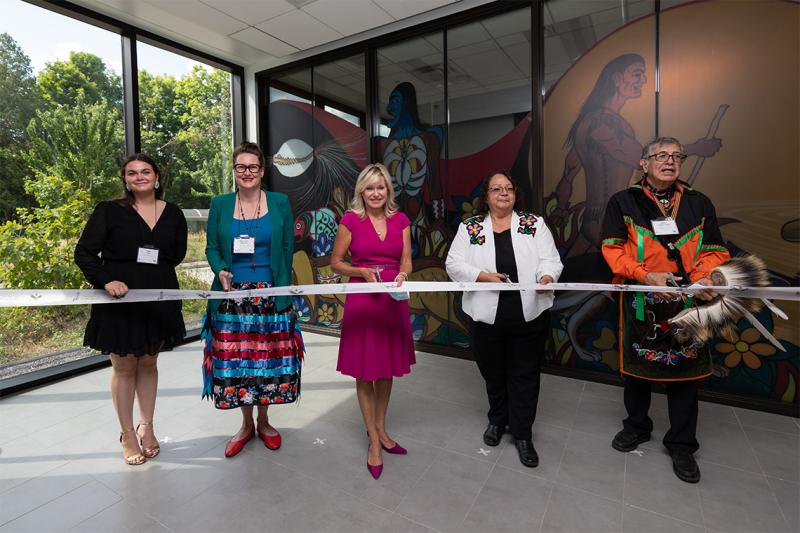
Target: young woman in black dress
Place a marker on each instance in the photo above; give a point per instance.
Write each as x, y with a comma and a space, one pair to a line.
134, 242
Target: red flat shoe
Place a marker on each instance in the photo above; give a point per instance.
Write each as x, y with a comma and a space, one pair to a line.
235, 446
272, 442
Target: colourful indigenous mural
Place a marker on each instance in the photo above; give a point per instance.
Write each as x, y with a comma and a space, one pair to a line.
706, 100
736, 111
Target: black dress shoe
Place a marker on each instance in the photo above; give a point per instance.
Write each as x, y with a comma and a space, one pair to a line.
684, 466
527, 453
493, 434
627, 441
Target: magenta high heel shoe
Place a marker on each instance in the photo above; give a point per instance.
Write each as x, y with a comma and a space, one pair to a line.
375, 470
396, 449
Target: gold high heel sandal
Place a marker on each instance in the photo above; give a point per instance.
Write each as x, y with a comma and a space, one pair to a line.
148, 451
135, 459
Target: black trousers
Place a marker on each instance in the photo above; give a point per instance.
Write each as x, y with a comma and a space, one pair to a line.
682, 405
509, 357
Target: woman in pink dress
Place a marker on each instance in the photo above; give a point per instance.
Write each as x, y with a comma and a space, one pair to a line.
376, 344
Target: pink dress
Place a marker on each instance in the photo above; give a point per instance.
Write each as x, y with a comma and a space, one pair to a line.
376, 339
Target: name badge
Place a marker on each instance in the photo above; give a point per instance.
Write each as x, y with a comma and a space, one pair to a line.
244, 244
147, 255
664, 226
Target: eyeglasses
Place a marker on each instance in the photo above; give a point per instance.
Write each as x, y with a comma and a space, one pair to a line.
663, 157
498, 190
241, 169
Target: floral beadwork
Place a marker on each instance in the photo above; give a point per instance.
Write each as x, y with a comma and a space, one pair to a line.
474, 229
668, 358
527, 224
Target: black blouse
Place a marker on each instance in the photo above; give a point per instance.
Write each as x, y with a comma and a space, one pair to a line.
109, 246
509, 307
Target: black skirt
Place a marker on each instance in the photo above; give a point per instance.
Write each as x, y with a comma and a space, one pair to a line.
142, 328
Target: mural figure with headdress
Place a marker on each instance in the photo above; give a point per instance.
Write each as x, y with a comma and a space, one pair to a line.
603, 144
411, 153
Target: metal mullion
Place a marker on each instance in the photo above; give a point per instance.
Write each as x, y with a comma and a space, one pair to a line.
130, 90
238, 111
537, 107
371, 92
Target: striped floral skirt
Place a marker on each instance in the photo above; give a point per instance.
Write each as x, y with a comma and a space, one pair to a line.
252, 352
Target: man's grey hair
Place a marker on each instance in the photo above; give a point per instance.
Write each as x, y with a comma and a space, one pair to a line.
658, 142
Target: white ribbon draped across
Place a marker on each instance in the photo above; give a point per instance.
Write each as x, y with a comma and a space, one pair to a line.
50, 297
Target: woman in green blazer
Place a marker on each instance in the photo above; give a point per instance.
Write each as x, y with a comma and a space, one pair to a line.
252, 346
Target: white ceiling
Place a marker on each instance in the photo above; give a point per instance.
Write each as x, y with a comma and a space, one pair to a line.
257, 32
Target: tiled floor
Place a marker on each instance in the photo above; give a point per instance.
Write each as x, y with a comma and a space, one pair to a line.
61, 466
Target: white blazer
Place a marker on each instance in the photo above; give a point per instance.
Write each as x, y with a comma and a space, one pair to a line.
472, 252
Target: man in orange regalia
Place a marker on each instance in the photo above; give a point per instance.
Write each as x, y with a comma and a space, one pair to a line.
661, 232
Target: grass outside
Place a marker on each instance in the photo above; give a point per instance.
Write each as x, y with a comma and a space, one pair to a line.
196, 247
28, 332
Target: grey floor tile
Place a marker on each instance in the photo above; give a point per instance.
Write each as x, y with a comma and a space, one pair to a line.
74, 427
433, 500
11, 431
509, 501
574, 511
590, 464
733, 500
549, 442
66, 511
39, 491
661, 424
463, 386
650, 484
558, 407
121, 518
777, 453
59, 456
599, 417
635, 520
603, 390
725, 444
23, 459
788, 496
287, 504
336, 453
771, 421
429, 421
251, 471
552, 383
719, 412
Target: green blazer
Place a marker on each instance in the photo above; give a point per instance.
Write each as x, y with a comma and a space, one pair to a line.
219, 242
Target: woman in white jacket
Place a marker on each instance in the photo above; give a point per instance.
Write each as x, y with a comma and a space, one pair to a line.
508, 328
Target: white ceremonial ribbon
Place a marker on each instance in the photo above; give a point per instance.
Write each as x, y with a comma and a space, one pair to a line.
51, 297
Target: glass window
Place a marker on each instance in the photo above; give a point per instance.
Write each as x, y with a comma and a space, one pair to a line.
599, 110
186, 126
61, 137
489, 92
412, 108
318, 144
729, 93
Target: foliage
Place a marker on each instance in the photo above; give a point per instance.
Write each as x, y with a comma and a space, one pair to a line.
37, 248
196, 247
186, 126
83, 78
193, 310
27, 332
19, 98
81, 144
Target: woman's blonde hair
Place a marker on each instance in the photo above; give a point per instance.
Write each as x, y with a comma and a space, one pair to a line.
365, 178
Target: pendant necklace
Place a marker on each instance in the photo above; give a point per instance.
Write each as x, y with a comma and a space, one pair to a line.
248, 227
